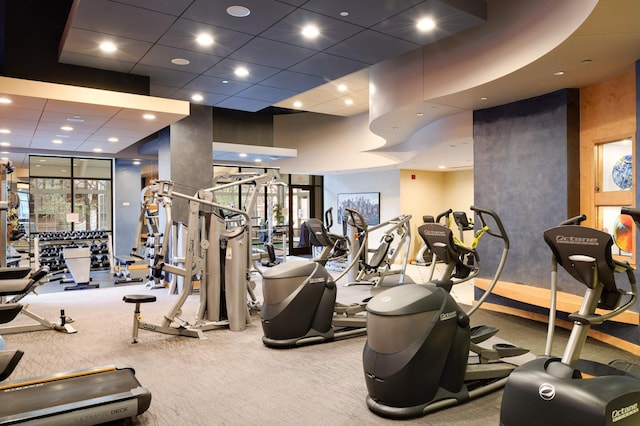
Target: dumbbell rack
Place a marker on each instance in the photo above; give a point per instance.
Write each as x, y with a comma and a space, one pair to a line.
49, 246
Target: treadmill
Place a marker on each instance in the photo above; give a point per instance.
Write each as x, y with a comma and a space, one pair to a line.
81, 397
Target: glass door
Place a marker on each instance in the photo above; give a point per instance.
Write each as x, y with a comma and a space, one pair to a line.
301, 208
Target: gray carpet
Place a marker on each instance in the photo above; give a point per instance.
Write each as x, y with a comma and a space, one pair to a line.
231, 378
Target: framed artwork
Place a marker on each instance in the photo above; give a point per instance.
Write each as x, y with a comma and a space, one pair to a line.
367, 203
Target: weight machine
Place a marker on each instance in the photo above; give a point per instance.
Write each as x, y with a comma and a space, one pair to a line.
218, 255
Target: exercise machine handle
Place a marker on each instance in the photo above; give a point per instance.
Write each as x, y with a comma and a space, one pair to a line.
502, 234
576, 220
443, 214
328, 218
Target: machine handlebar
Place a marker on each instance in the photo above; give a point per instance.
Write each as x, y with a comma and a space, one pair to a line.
576, 220
502, 234
445, 213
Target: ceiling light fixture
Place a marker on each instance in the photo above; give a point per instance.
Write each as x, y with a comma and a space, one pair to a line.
344, 13
5, 101
204, 39
242, 155
66, 128
149, 116
180, 61
558, 73
310, 31
108, 47
5, 143
426, 24
297, 104
241, 72
342, 87
484, 98
442, 167
136, 162
197, 97
75, 119
348, 101
258, 160
113, 139
419, 114
97, 149
238, 11
56, 141
5, 131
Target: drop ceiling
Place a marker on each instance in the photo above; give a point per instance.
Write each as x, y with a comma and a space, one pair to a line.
153, 35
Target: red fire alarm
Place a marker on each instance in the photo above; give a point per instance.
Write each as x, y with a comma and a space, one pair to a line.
413, 177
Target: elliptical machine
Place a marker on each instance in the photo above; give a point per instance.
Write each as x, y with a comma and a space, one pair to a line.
570, 390
417, 356
300, 305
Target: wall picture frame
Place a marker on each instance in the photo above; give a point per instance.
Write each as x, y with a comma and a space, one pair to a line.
367, 203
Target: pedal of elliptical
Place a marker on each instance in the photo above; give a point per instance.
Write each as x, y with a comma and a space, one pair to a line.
506, 350
480, 333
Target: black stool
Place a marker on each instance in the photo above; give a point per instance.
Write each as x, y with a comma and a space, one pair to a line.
137, 299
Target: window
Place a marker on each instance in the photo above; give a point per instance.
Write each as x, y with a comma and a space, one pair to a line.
63, 185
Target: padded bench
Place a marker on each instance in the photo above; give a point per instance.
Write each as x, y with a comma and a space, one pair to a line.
122, 269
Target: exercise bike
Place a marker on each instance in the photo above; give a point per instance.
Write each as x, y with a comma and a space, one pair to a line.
570, 390
300, 305
417, 357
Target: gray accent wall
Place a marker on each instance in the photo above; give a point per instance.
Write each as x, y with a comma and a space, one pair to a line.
126, 200
526, 169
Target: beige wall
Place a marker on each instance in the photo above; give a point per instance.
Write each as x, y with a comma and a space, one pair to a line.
430, 193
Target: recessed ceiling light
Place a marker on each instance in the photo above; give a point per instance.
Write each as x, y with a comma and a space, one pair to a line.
149, 116
108, 47
238, 11
310, 31
180, 61
241, 72
348, 101
225, 81
242, 155
342, 87
557, 73
344, 13
136, 163
97, 149
426, 24
258, 160
5, 100
442, 167
113, 139
297, 104
419, 114
484, 98
66, 128
63, 136
76, 119
57, 141
5, 143
5, 131
204, 39
197, 97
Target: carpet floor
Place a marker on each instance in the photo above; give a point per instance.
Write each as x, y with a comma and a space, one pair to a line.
231, 378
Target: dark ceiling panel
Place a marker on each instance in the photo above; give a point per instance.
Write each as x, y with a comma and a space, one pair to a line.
264, 13
271, 53
183, 32
294, 81
328, 66
243, 104
288, 30
217, 85
161, 56
371, 47
362, 13
268, 94
224, 69
111, 17
164, 76
171, 7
